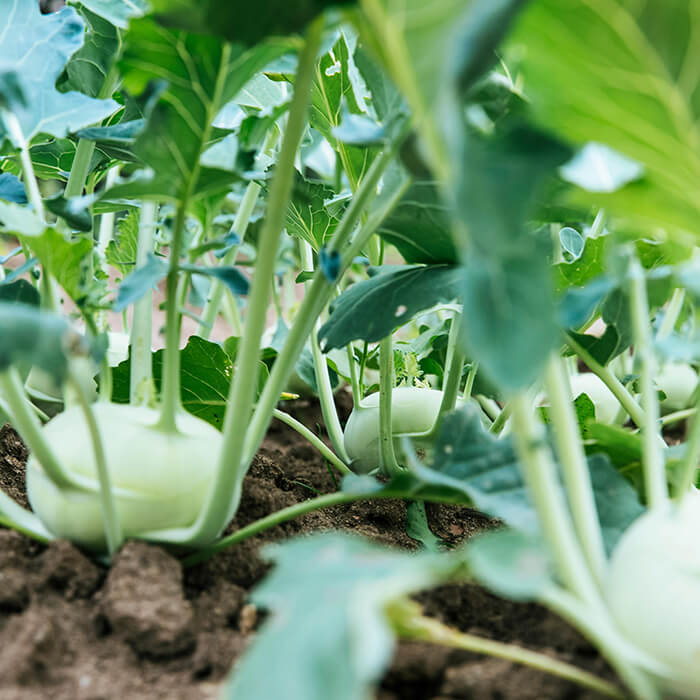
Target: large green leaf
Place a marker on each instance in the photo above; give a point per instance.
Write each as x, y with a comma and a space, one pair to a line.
420, 226
202, 75
327, 630
118, 12
622, 73
241, 20
87, 68
34, 48
307, 214
508, 301
372, 309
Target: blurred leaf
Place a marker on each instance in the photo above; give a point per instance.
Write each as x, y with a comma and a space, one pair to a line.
419, 227
326, 596
239, 20
117, 139
19, 220
12, 189
74, 211
508, 301
372, 309
236, 282
118, 12
418, 528
607, 99
19, 291
140, 281
38, 46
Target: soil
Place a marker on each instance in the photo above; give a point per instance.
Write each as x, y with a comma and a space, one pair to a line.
148, 630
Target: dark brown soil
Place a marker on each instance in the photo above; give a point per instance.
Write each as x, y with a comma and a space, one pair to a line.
147, 630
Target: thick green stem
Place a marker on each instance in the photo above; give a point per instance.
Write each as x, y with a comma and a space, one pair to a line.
455, 365
29, 428
471, 376
677, 416
354, 379
497, 426
414, 626
113, 531
323, 380
626, 399
314, 440
540, 476
574, 466
171, 356
689, 465
218, 289
224, 493
14, 129
141, 389
387, 456
79, 170
673, 311
319, 294
652, 456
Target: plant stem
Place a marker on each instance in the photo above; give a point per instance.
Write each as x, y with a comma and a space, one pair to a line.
498, 425
387, 456
491, 408
611, 381
224, 494
29, 428
689, 465
354, 380
424, 629
141, 389
653, 459
319, 293
673, 311
540, 476
323, 380
455, 365
313, 439
13, 516
677, 416
106, 230
171, 356
574, 466
280, 516
14, 129
218, 289
471, 376
113, 531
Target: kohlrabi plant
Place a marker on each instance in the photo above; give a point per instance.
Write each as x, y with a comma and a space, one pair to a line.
477, 217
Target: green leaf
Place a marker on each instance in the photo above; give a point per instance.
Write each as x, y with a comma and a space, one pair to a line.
140, 281
508, 301
74, 211
307, 215
36, 47
235, 281
121, 251
19, 291
419, 227
418, 528
117, 140
589, 265
239, 20
67, 261
622, 74
87, 69
202, 75
19, 220
372, 309
327, 595
118, 12
12, 189
511, 564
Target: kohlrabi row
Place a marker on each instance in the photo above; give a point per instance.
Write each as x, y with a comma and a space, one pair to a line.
476, 218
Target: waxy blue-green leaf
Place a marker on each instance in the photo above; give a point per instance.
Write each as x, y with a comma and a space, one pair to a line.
19, 220
36, 48
118, 12
373, 309
202, 75
20, 292
327, 597
234, 280
74, 211
12, 189
140, 281
622, 74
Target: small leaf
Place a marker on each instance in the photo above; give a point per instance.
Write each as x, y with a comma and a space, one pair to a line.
234, 279
572, 242
329, 262
121, 251
74, 211
140, 281
12, 189
372, 309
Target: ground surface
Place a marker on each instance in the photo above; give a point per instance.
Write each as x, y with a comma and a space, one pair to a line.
147, 630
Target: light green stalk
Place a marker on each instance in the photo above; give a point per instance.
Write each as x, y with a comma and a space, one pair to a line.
653, 459
574, 466
387, 456
141, 388
673, 311
455, 365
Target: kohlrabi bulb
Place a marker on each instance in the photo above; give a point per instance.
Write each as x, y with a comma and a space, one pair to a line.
413, 410
653, 590
606, 405
160, 479
678, 381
